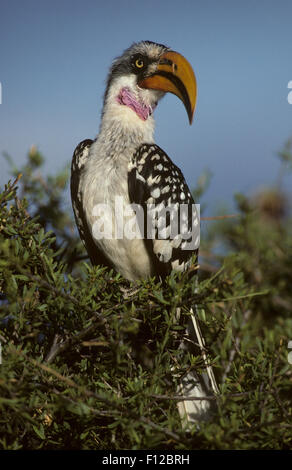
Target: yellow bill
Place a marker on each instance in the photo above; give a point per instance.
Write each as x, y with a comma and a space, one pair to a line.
174, 74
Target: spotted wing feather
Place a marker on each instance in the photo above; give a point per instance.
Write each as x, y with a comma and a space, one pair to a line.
154, 180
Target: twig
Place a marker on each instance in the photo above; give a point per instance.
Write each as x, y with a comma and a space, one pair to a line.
280, 404
104, 413
219, 217
54, 348
235, 349
195, 398
157, 427
239, 297
59, 347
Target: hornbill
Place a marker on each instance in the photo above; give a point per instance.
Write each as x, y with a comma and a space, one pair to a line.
124, 164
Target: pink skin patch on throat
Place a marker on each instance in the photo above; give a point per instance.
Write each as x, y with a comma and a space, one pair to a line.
126, 98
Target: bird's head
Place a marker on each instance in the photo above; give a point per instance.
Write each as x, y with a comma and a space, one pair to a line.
142, 75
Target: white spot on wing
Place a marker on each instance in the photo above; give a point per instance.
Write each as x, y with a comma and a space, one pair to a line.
155, 193
140, 177
165, 189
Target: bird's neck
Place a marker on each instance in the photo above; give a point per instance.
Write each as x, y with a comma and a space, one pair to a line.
122, 130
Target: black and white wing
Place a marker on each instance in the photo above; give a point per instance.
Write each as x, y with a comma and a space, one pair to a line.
79, 160
171, 221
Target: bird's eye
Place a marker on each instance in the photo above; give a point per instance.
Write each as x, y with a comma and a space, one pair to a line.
139, 63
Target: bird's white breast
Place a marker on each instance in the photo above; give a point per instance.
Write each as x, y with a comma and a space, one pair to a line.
105, 182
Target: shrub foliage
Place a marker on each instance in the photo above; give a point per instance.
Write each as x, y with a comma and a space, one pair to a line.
90, 362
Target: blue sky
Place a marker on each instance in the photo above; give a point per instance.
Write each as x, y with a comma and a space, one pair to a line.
54, 58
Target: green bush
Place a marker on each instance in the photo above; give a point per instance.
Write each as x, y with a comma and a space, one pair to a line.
89, 364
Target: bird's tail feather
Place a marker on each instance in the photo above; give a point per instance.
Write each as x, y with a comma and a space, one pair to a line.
194, 385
